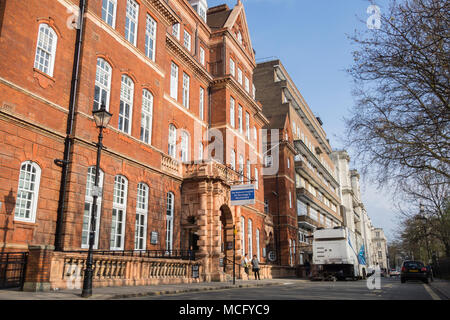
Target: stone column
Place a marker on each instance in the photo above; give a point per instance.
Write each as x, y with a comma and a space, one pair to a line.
37, 277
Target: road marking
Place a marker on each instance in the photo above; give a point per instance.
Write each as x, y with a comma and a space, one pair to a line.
430, 291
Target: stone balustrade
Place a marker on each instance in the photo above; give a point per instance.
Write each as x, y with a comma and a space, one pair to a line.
209, 169
170, 164
67, 271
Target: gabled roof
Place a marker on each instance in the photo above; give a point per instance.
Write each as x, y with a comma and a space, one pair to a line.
218, 16
222, 17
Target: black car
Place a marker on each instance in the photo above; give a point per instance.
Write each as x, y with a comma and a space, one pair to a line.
414, 270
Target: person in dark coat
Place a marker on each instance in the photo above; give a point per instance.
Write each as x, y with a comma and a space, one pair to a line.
255, 264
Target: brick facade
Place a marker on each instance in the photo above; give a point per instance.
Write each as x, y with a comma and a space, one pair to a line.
34, 108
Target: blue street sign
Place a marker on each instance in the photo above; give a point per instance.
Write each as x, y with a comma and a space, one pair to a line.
242, 195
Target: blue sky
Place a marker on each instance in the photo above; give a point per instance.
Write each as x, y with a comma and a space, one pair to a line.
310, 38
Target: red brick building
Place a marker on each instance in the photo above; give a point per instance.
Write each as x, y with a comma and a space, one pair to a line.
174, 74
306, 193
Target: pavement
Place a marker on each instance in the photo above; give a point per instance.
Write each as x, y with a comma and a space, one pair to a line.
442, 286
288, 288
108, 293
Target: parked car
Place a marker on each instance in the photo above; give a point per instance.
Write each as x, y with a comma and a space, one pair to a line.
394, 273
414, 270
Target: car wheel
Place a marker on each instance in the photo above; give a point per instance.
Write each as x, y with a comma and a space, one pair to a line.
402, 280
426, 281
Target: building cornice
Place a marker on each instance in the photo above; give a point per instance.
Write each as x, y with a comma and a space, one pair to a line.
165, 10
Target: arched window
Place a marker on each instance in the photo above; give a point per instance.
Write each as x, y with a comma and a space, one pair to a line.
184, 146
141, 217
147, 117
233, 159
88, 203
102, 84
249, 172
119, 213
46, 49
169, 221
126, 104
250, 238
241, 168
172, 141
27, 192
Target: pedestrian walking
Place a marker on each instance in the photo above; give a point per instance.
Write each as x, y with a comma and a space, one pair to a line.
246, 264
255, 264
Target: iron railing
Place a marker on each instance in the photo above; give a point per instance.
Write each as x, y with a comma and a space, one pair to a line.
12, 269
158, 254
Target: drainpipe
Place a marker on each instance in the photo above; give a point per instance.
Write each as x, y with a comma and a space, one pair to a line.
68, 142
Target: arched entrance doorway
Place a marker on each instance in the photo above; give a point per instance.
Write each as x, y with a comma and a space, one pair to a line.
226, 229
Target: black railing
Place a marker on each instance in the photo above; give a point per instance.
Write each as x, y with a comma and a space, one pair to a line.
12, 269
159, 254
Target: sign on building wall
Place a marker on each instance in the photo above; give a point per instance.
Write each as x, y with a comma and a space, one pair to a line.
195, 271
154, 237
242, 195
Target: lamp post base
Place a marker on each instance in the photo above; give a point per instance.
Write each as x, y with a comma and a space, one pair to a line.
87, 284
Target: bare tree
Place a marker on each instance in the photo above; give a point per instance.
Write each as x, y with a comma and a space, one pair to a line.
427, 215
400, 125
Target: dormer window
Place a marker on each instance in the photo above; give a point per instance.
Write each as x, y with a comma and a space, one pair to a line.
200, 6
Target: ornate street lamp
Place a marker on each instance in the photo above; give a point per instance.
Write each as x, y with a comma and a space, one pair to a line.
101, 118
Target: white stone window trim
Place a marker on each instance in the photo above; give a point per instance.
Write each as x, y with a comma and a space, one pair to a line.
201, 99
187, 40
232, 112
24, 173
103, 74
172, 141
184, 147
120, 193
90, 182
174, 81
110, 3
147, 112
186, 90
42, 46
150, 34
170, 208
132, 8
127, 98
141, 210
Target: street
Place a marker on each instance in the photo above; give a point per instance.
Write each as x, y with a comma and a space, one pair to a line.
391, 289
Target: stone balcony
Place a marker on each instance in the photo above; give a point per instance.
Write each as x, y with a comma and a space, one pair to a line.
170, 164
209, 170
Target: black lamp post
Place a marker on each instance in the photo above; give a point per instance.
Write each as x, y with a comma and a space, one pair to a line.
102, 118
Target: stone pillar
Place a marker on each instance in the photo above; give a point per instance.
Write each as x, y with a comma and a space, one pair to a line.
37, 277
